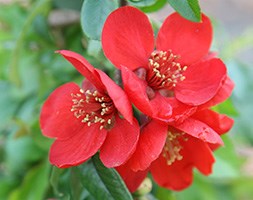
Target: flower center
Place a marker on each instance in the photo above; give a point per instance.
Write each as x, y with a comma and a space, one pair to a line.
93, 107
172, 148
164, 70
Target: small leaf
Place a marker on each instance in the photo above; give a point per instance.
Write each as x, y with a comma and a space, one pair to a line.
226, 107
66, 4
93, 15
142, 3
164, 194
56, 173
188, 9
155, 7
102, 182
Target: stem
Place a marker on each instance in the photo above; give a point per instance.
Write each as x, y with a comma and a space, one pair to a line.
123, 3
14, 72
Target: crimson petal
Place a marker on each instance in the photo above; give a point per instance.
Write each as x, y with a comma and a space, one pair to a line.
179, 174
132, 179
127, 38
199, 130
83, 66
176, 176
190, 40
56, 119
87, 85
77, 149
202, 82
120, 143
160, 108
201, 157
150, 145
218, 122
223, 93
118, 97
136, 91
180, 111
135, 88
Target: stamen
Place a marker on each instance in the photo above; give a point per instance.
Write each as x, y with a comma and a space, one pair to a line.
93, 107
172, 148
164, 70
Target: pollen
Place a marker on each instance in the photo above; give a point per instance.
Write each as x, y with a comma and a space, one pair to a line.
171, 151
165, 70
93, 107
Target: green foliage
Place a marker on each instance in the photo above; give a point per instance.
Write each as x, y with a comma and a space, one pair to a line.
187, 8
102, 182
155, 7
33, 185
30, 71
93, 15
142, 3
66, 4
40, 7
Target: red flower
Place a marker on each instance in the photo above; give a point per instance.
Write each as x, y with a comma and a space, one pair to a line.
173, 151
86, 120
178, 67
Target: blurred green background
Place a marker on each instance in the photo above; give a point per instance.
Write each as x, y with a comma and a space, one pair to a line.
30, 32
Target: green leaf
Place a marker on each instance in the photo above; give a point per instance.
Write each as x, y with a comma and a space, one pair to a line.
188, 9
66, 4
34, 184
155, 7
102, 182
76, 186
164, 194
226, 107
142, 3
93, 15
55, 176
39, 8
8, 104
7, 184
227, 161
21, 152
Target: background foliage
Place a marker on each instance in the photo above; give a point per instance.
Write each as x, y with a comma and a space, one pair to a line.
30, 32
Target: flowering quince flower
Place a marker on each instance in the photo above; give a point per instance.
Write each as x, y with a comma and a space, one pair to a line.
175, 66
97, 116
173, 151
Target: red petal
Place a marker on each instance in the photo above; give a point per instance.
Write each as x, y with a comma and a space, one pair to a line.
83, 66
87, 85
160, 108
223, 93
218, 122
78, 148
210, 55
180, 111
56, 119
191, 41
202, 82
178, 175
136, 91
120, 143
202, 156
119, 97
199, 130
127, 38
132, 179
150, 145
